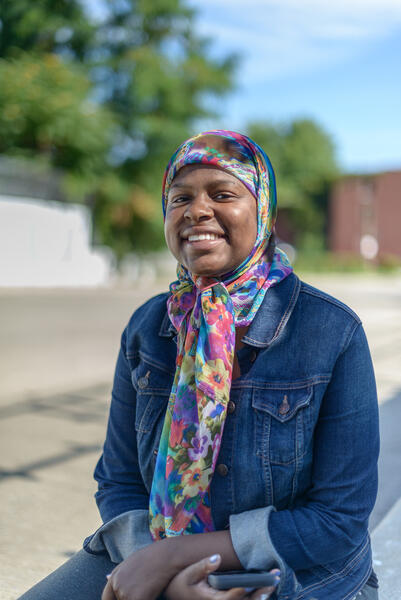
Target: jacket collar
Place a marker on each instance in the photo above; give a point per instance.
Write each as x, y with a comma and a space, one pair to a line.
274, 312
269, 321
167, 329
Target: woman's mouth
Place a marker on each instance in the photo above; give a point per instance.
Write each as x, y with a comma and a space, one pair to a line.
203, 236
203, 242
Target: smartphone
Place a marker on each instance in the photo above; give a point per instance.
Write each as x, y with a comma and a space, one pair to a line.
225, 580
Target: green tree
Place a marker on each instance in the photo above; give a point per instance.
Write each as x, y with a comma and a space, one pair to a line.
45, 114
45, 26
148, 69
154, 73
303, 157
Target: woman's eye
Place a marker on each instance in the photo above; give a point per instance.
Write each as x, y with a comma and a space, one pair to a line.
179, 199
222, 196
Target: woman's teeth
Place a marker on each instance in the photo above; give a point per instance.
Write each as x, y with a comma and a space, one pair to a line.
203, 236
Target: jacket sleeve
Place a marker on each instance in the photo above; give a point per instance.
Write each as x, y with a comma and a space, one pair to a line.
120, 484
333, 520
122, 497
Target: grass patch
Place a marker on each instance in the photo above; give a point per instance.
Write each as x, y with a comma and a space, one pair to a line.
328, 262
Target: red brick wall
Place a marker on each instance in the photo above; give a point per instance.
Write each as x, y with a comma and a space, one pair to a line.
366, 205
344, 224
388, 202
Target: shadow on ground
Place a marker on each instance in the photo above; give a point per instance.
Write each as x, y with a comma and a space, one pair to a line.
84, 406
28, 470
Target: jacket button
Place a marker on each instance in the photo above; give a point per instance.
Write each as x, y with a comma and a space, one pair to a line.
230, 407
143, 382
222, 469
253, 356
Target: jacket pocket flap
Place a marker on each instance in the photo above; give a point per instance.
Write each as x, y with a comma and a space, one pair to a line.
149, 380
282, 404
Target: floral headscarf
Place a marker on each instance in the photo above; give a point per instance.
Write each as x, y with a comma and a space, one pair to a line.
205, 312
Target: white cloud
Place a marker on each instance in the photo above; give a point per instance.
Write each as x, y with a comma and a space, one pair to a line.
284, 37
362, 11
332, 60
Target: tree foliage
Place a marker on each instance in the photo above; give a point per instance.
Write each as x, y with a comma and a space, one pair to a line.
106, 98
45, 26
45, 111
304, 161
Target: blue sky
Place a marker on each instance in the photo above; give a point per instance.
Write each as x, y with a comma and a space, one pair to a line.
336, 62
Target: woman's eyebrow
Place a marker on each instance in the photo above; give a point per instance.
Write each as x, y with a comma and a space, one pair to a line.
215, 182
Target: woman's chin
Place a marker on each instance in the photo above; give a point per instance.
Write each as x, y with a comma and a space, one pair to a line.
205, 273
205, 267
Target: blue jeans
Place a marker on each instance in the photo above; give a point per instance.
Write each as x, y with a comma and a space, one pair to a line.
368, 593
83, 577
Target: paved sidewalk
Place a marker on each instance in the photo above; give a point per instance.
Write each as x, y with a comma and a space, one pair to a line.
377, 301
59, 350
386, 542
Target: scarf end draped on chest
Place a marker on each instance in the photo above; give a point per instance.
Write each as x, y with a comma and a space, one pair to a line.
205, 313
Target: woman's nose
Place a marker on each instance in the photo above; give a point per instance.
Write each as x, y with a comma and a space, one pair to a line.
199, 209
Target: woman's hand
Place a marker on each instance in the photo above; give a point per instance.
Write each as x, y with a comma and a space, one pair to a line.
146, 573
141, 576
192, 583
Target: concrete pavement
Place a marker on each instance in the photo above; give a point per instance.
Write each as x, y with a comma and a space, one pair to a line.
58, 352
386, 543
377, 301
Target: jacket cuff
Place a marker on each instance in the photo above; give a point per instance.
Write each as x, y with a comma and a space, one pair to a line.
251, 539
253, 546
121, 536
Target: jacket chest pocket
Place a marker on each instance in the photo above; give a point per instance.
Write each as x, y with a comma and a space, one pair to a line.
152, 385
282, 420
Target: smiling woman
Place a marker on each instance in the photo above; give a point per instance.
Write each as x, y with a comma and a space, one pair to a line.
234, 399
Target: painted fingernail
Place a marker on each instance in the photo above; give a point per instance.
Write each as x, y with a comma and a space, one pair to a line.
213, 559
264, 597
108, 576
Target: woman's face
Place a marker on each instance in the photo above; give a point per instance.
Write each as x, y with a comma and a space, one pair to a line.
211, 220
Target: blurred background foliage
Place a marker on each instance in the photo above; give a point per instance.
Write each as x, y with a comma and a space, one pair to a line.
106, 98
303, 156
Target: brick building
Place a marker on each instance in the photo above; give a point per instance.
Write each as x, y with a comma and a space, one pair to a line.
365, 215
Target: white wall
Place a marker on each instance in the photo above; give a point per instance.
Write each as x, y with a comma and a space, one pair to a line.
48, 244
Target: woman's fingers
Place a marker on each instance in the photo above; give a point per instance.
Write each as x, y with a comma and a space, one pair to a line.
195, 577
205, 592
201, 569
108, 593
232, 594
192, 583
263, 593
266, 592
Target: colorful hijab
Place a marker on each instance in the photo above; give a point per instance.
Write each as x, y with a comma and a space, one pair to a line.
205, 312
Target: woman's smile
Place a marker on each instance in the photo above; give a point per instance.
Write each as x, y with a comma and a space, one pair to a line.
203, 242
201, 239
211, 220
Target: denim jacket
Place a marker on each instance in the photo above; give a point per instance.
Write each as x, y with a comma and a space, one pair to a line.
296, 478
